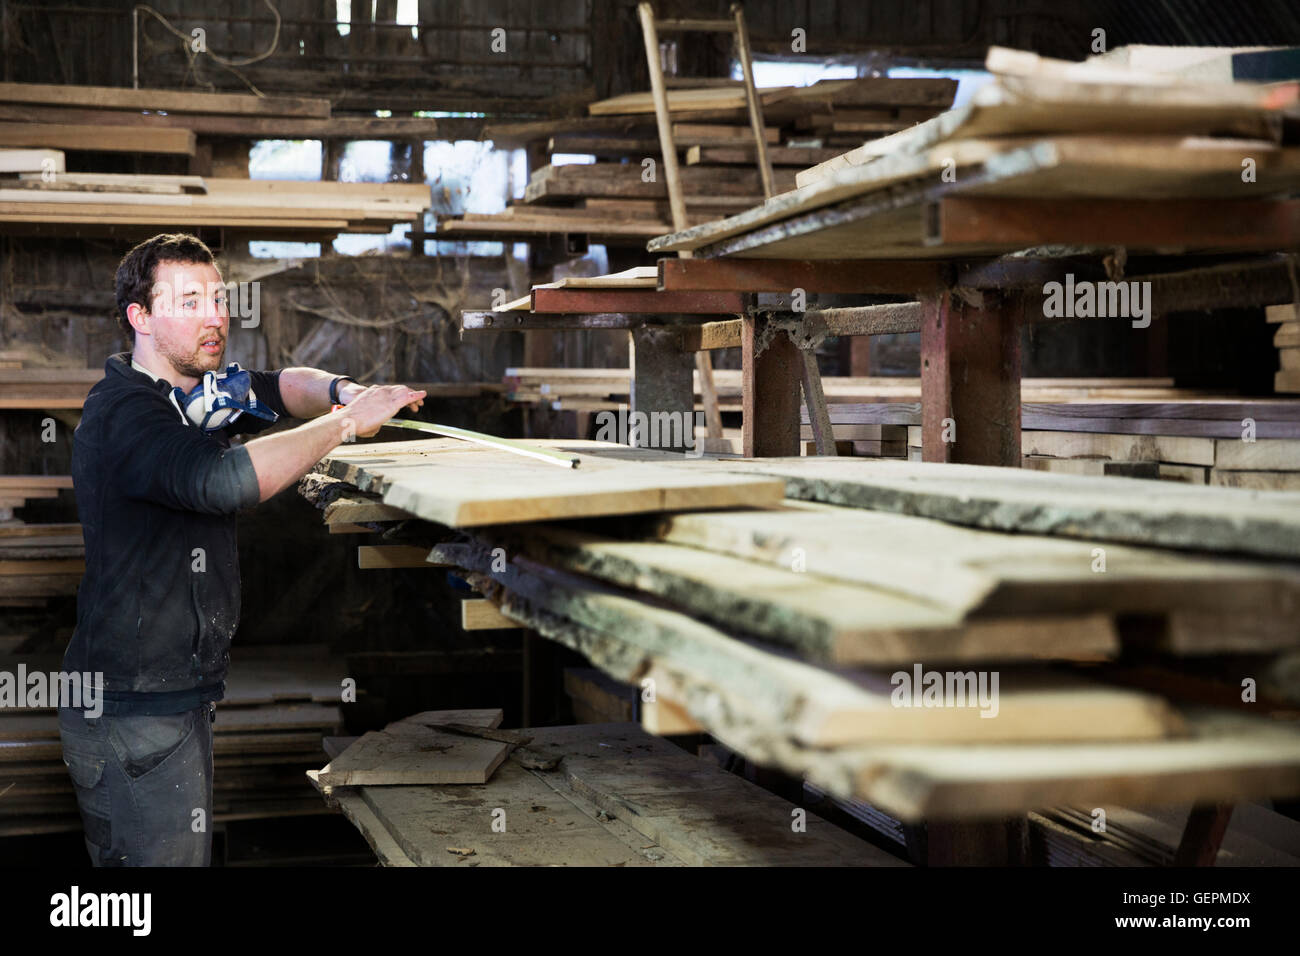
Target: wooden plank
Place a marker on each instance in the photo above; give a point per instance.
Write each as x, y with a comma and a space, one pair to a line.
693, 664
1059, 167
1257, 480
44, 161
1164, 514
110, 139
820, 617
371, 556
477, 614
985, 575
1267, 455
1019, 105
354, 509
636, 301
410, 753
1237, 224
782, 275
1225, 759
622, 181
445, 481
664, 718
170, 101
1063, 444
742, 154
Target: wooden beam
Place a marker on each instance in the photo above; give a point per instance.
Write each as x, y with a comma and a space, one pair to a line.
169, 101
634, 301
970, 381
662, 384
711, 335
108, 139
479, 614
1206, 826
815, 400
372, 557
771, 382
1263, 224
782, 275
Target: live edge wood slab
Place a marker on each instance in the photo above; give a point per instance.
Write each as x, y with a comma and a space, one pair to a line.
454, 484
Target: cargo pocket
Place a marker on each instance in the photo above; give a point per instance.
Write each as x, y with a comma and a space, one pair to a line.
144, 743
87, 771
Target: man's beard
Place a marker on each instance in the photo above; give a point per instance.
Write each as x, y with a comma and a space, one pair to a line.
191, 364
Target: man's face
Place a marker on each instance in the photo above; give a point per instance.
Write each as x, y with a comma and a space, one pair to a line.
191, 316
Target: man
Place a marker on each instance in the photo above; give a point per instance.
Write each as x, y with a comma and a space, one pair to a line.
158, 485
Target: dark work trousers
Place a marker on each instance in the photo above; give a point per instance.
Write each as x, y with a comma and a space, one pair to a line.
140, 782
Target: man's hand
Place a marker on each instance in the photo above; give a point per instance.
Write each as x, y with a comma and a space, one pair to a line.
377, 404
350, 391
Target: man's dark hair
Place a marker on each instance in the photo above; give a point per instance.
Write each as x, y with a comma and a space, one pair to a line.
136, 272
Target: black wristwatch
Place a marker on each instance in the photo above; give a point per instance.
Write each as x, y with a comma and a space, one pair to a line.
334, 387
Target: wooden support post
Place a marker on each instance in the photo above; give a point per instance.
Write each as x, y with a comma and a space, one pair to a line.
975, 843
970, 380
770, 382
1206, 826
818, 414
708, 394
859, 355
662, 382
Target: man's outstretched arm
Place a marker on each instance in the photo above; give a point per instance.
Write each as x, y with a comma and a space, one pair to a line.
281, 459
306, 392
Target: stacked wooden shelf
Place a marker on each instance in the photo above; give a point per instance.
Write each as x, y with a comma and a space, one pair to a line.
113, 118
882, 567
38, 561
279, 705
1047, 153
622, 197
1287, 339
102, 199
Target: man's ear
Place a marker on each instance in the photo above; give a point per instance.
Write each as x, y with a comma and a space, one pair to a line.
138, 316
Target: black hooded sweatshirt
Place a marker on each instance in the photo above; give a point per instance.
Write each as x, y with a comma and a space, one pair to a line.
157, 497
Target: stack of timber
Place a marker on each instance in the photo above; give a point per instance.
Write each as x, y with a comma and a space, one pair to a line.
1048, 152
52, 200
113, 119
801, 633
25, 383
1287, 339
1216, 440
622, 198
38, 561
37, 387
1141, 427
279, 704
